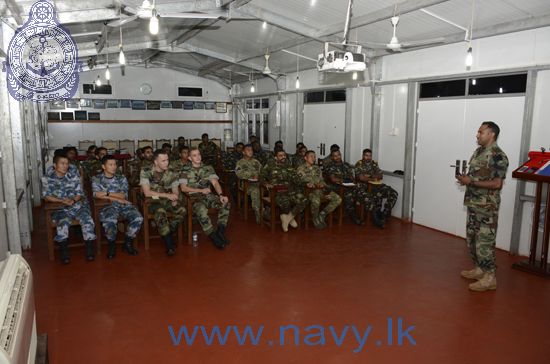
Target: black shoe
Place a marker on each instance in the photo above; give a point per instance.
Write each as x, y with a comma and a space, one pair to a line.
356, 220
170, 246
378, 218
217, 240
221, 233
64, 252
112, 250
90, 253
128, 247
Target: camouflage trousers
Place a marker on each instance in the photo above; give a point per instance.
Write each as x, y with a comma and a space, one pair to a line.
200, 210
109, 220
79, 211
160, 209
381, 197
315, 198
293, 202
481, 230
254, 193
350, 197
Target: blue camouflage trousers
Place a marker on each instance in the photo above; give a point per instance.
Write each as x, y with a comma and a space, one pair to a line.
481, 231
109, 219
79, 211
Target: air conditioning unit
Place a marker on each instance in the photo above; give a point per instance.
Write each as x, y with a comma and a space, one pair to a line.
339, 61
17, 315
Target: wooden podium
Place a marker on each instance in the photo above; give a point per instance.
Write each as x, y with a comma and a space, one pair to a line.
536, 170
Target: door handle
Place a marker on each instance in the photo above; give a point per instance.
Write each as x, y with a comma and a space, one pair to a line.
456, 166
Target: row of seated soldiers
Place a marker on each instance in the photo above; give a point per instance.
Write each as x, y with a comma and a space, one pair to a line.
63, 184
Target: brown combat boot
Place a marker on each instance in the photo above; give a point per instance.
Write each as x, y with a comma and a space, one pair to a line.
475, 273
485, 283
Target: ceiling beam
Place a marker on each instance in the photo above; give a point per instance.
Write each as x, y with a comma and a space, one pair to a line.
128, 47
216, 65
492, 30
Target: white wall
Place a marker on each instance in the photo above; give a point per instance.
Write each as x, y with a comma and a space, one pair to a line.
360, 122
393, 124
164, 83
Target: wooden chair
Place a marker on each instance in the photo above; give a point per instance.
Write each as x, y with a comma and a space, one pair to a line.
242, 195
85, 144
98, 205
307, 214
190, 199
129, 145
267, 197
50, 208
341, 191
147, 217
217, 141
111, 145
145, 143
194, 143
160, 142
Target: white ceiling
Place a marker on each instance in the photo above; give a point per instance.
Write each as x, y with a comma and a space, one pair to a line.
229, 49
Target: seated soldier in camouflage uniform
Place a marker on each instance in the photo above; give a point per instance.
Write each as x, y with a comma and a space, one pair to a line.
134, 164
182, 162
277, 173
167, 148
162, 186
310, 176
325, 162
298, 159
72, 170
381, 198
175, 155
209, 151
259, 153
146, 161
72, 153
114, 187
196, 180
63, 187
338, 172
249, 168
229, 162
91, 156
93, 166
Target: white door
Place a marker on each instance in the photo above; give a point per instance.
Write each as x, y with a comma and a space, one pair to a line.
437, 196
324, 125
447, 131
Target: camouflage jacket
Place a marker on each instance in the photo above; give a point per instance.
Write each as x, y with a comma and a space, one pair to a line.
91, 167
209, 150
115, 184
50, 172
159, 181
343, 171
175, 153
310, 174
198, 177
297, 160
279, 174
486, 164
229, 160
369, 168
178, 166
262, 156
135, 169
247, 169
68, 186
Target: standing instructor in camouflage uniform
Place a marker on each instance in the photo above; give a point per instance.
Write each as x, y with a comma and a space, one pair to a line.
483, 183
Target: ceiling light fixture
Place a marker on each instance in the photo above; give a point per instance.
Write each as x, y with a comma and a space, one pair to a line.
121, 56
107, 72
469, 56
154, 23
297, 85
264, 25
98, 81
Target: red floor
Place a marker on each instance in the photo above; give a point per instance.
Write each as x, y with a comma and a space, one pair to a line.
119, 311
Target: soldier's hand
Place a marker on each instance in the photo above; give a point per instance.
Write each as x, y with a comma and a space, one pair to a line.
174, 203
310, 185
269, 185
463, 179
173, 197
68, 201
206, 191
223, 199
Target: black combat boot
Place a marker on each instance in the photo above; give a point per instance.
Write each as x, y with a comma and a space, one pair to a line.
221, 233
378, 218
217, 240
64, 252
170, 245
356, 220
128, 246
90, 253
112, 250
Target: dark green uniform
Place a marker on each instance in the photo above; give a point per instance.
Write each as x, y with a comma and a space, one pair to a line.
312, 174
163, 182
200, 177
343, 172
209, 153
292, 200
247, 169
487, 163
380, 197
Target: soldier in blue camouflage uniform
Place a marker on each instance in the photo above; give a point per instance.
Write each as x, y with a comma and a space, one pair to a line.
310, 176
248, 168
209, 151
483, 182
336, 173
196, 180
63, 187
380, 199
114, 187
162, 186
278, 173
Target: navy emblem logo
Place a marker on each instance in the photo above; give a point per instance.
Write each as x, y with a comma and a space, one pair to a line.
42, 60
